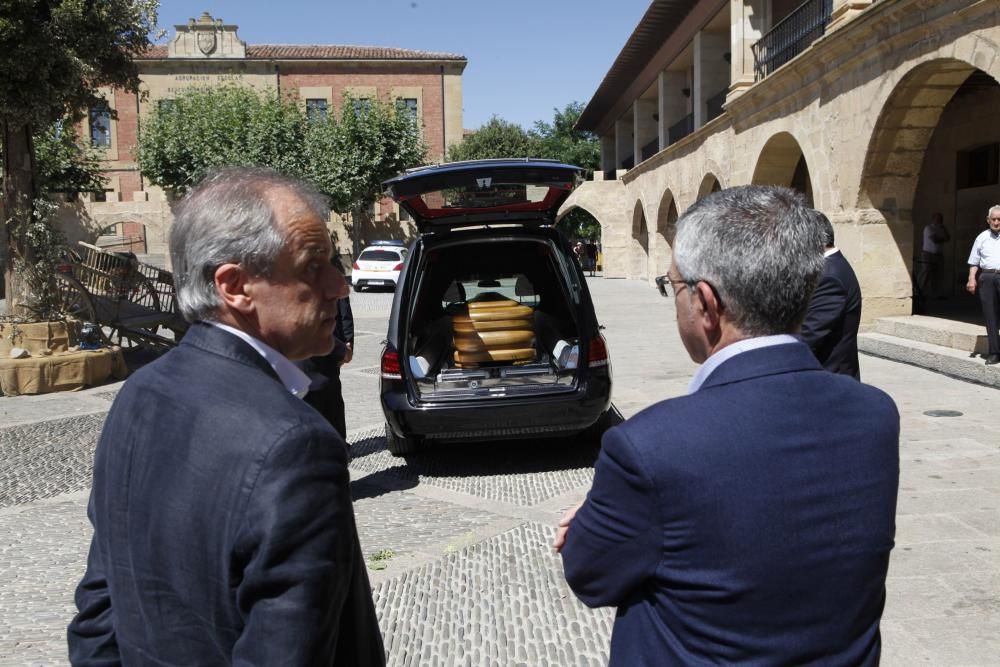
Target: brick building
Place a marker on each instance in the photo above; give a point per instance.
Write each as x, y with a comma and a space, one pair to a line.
209, 52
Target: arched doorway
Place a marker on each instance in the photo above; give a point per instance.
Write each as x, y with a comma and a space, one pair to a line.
709, 184
639, 247
579, 224
782, 162
666, 228
933, 151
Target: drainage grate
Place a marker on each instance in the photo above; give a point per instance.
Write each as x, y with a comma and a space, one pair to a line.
942, 413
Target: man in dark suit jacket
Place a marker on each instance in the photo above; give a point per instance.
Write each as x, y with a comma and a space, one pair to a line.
750, 521
224, 531
830, 328
325, 390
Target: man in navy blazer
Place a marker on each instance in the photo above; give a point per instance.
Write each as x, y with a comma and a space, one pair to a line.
224, 531
830, 328
750, 521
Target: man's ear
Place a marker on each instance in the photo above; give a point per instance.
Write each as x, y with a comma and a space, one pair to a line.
231, 283
711, 308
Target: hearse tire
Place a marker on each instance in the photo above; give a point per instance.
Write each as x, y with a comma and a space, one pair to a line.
400, 446
596, 430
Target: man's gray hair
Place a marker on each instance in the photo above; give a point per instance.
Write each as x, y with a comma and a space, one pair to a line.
228, 218
995, 207
760, 247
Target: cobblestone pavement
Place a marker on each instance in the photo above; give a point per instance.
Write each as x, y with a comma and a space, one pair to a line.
457, 536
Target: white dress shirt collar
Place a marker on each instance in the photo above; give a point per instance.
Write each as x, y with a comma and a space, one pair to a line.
730, 351
292, 377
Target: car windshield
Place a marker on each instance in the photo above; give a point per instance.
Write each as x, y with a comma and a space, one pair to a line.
379, 256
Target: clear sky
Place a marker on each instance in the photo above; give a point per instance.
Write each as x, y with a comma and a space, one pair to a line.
526, 57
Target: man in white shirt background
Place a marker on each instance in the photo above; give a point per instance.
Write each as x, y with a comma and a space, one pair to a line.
984, 277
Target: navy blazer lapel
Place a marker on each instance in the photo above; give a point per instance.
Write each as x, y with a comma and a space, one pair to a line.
771, 360
218, 341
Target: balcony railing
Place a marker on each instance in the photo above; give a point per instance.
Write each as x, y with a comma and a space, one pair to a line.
650, 149
713, 105
791, 36
681, 128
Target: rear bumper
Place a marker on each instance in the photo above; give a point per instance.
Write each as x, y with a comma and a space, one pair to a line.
501, 418
359, 277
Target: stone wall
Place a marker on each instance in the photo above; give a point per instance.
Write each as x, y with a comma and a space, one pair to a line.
860, 106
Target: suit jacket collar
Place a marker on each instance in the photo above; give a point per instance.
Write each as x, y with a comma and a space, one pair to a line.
218, 341
773, 360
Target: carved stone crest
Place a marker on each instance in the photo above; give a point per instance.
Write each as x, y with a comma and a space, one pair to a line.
206, 41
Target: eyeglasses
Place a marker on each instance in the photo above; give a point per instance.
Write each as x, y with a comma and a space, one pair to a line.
664, 280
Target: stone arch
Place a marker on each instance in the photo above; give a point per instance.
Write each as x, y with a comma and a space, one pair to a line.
639, 246
566, 210
782, 162
898, 155
663, 240
709, 184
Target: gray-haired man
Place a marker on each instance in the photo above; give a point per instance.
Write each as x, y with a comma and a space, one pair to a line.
223, 526
734, 525
984, 277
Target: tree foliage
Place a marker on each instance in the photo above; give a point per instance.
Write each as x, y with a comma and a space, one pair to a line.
54, 55
346, 157
63, 164
212, 127
558, 140
498, 138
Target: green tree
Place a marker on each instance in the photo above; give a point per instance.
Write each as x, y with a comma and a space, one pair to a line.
54, 55
347, 158
560, 140
498, 138
212, 127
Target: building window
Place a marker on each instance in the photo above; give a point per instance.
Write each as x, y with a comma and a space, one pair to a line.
409, 104
316, 110
100, 126
361, 105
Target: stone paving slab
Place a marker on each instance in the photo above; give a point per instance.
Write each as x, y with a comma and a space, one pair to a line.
507, 471
43, 554
500, 602
48, 458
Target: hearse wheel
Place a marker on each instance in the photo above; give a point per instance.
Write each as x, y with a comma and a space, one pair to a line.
399, 446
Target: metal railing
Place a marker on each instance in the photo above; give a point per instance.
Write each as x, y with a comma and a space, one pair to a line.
713, 105
681, 128
650, 149
791, 36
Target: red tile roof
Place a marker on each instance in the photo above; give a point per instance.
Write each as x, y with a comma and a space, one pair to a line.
323, 52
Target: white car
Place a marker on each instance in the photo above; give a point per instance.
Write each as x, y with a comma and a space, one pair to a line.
378, 266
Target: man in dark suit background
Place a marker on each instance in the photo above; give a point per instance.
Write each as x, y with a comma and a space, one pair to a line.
224, 531
750, 521
830, 328
325, 389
